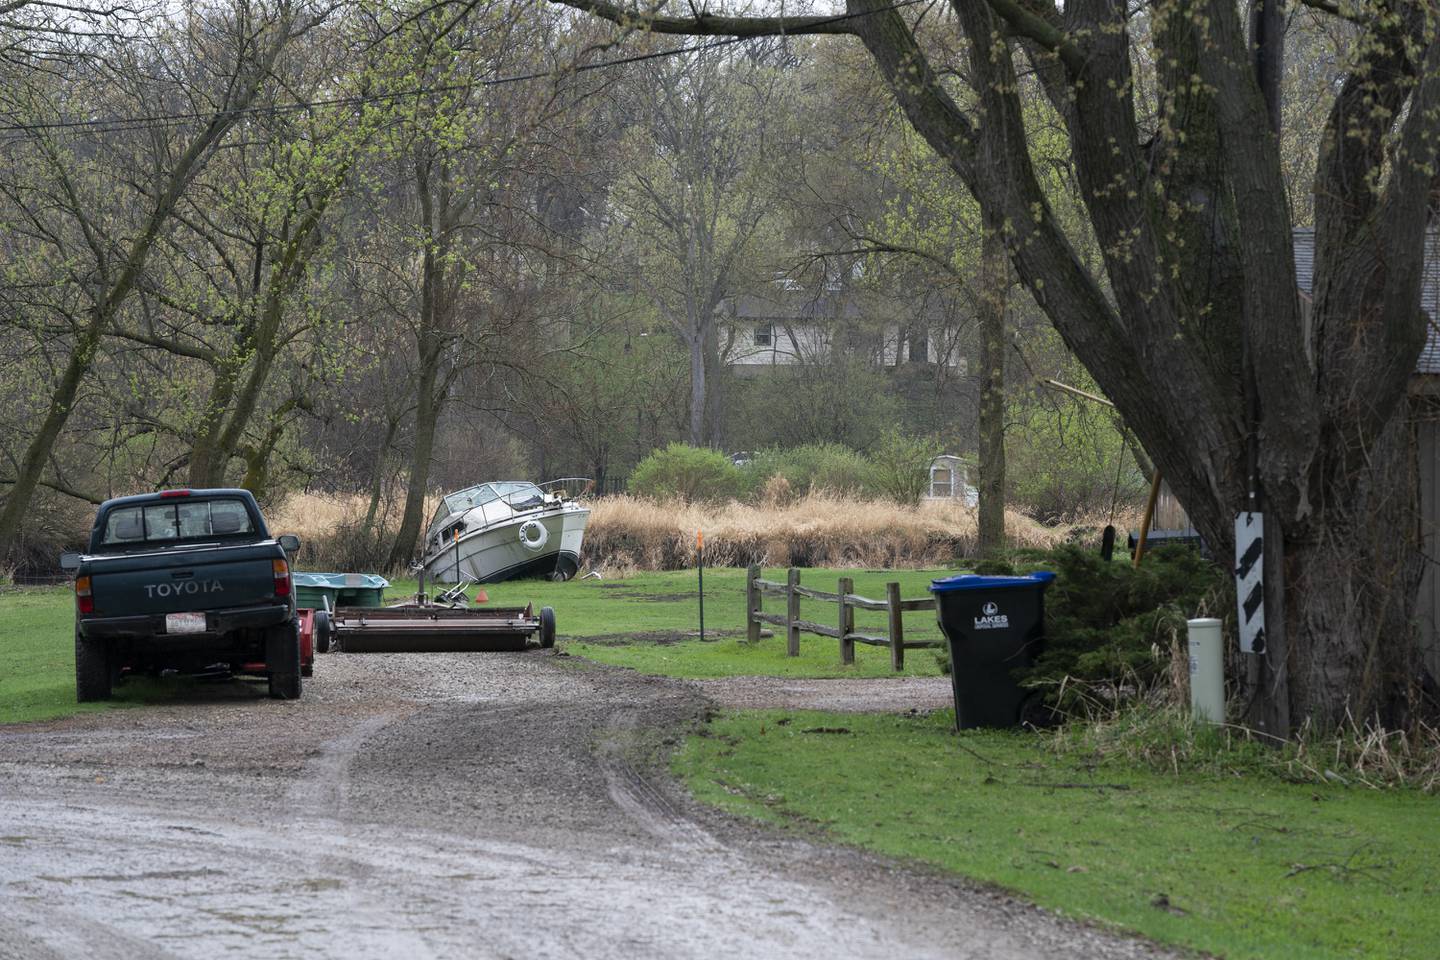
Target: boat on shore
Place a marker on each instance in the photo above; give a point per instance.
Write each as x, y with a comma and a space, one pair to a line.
505, 530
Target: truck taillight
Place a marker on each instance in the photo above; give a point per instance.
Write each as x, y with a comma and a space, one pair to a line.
84, 602
282, 578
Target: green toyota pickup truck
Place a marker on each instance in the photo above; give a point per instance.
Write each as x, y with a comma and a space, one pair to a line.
185, 580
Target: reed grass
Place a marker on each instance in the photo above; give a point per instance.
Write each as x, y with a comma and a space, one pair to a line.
818, 530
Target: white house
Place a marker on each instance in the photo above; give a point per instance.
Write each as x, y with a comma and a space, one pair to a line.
791, 326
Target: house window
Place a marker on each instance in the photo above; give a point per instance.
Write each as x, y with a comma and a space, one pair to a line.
942, 482
764, 335
919, 349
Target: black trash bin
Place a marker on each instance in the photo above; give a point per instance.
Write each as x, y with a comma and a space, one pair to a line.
994, 626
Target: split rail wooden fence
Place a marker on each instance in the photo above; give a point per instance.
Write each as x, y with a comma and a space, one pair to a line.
894, 607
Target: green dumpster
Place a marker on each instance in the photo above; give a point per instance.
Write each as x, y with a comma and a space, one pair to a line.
340, 589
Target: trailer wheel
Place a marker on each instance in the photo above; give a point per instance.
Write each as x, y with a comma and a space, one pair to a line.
547, 628
92, 669
282, 660
324, 629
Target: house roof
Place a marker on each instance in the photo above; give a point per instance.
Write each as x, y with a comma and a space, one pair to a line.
796, 306
790, 302
1429, 361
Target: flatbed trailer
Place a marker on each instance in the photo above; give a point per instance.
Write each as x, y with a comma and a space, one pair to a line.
423, 627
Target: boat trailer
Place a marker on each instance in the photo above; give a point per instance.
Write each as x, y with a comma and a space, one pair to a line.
443, 624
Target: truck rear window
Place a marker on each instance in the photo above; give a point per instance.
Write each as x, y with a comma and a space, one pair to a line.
162, 522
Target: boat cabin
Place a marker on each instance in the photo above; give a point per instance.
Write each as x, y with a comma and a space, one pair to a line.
507, 497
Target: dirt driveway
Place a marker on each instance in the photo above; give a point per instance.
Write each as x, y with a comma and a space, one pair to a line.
482, 805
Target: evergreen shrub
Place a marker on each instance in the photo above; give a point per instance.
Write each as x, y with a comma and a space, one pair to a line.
1111, 626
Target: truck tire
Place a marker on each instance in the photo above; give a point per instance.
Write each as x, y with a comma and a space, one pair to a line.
547, 628
282, 661
92, 669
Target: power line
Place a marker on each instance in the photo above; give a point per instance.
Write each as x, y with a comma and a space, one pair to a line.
175, 119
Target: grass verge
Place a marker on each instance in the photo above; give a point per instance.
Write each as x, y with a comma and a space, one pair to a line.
37, 658
1239, 867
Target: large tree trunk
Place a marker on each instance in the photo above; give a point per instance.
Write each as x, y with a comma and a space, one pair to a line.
696, 342
1351, 578
427, 414
714, 386
994, 289
432, 335
377, 474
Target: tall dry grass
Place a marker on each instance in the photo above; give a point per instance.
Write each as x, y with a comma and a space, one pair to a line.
332, 532
822, 529
632, 533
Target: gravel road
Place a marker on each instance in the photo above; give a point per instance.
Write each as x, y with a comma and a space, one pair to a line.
451, 805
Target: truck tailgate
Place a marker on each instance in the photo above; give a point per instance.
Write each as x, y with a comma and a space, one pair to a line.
188, 579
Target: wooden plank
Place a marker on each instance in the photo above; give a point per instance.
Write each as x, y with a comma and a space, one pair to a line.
927, 604
865, 603
897, 626
869, 639
770, 586
923, 644
775, 618
846, 622
792, 613
754, 603
817, 594
810, 626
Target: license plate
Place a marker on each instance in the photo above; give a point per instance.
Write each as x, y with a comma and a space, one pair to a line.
184, 623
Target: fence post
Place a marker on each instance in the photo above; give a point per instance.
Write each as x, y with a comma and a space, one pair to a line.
897, 626
754, 603
792, 613
847, 621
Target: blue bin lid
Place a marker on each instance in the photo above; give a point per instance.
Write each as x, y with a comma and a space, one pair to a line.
975, 581
341, 581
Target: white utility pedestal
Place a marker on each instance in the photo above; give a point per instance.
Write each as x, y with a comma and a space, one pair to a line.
1207, 671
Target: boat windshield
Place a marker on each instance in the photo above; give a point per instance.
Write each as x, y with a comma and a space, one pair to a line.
518, 493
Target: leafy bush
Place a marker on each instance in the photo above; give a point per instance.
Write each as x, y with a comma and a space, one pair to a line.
687, 473
1064, 459
813, 467
900, 467
1109, 625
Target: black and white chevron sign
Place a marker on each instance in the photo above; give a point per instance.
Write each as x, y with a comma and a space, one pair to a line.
1249, 584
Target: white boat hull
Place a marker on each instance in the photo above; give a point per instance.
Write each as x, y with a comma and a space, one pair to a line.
496, 552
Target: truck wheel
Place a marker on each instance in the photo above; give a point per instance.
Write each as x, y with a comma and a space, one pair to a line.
282, 660
547, 628
92, 669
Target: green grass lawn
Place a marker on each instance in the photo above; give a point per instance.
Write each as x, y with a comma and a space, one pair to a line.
648, 622
37, 656
1250, 867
